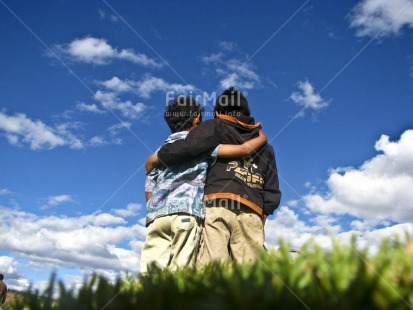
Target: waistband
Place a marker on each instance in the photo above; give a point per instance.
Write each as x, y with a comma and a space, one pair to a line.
235, 198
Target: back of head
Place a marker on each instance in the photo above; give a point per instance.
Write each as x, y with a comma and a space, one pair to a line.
1, 277
180, 113
232, 102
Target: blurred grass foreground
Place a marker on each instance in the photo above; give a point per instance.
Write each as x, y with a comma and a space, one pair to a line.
341, 278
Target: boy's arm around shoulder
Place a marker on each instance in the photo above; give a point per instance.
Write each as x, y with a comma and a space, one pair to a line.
203, 138
245, 149
151, 163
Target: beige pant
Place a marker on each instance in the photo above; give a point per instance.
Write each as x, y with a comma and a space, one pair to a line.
171, 241
236, 233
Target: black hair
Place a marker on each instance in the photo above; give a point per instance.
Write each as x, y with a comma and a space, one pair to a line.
181, 111
1, 276
232, 102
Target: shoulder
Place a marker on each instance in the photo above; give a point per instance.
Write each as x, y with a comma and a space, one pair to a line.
210, 123
268, 151
270, 148
205, 129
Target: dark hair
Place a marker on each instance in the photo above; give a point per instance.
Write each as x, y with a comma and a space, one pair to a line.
1, 276
181, 111
232, 102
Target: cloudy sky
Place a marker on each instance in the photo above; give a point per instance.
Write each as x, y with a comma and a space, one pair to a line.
83, 88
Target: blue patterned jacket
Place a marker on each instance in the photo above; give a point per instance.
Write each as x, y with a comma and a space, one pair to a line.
178, 188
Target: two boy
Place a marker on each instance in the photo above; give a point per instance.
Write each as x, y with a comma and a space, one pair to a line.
240, 192
175, 207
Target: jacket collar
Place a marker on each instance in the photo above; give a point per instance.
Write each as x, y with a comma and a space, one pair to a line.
237, 121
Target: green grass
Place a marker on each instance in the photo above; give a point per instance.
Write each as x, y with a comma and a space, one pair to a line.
343, 278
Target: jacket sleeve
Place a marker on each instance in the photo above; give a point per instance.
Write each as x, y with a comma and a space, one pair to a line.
151, 180
203, 138
272, 193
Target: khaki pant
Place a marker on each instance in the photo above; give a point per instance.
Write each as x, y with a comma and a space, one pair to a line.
171, 241
231, 232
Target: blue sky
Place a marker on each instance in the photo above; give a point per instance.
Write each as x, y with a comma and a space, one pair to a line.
83, 90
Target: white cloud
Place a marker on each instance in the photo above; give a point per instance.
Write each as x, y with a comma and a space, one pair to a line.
110, 97
372, 202
214, 58
131, 210
19, 128
111, 102
91, 50
381, 17
90, 242
93, 108
128, 54
307, 98
117, 85
9, 268
114, 129
232, 71
371, 238
150, 84
53, 201
239, 74
8, 265
127, 258
97, 141
97, 51
379, 190
288, 227
227, 46
56, 200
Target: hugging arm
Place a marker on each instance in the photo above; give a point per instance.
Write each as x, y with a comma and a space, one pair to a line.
203, 138
245, 149
224, 150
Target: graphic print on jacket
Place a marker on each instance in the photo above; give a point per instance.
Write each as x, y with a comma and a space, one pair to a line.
248, 172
